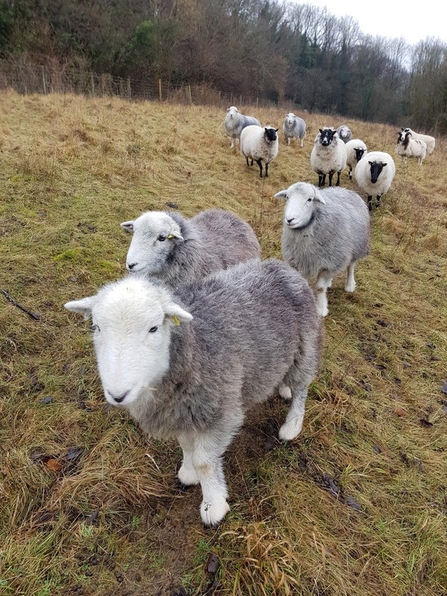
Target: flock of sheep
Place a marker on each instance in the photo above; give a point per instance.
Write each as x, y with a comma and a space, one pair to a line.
201, 327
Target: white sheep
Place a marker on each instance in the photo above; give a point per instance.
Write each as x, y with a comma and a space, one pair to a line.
428, 139
328, 156
324, 232
355, 149
235, 122
294, 127
407, 146
187, 365
260, 144
178, 250
344, 132
374, 174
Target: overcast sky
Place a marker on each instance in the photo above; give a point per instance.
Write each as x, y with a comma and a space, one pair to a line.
392, 18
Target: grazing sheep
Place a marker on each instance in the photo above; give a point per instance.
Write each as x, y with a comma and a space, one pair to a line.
294, 127
428, 140
235, 122
407, 146
328, 156
188, 365
374, 174
324, 232
344, 132
260, 144
355, 149
179, 250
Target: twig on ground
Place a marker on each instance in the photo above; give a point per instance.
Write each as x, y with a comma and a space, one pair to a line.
35, 316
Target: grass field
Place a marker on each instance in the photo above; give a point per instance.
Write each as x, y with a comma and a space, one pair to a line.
355, 506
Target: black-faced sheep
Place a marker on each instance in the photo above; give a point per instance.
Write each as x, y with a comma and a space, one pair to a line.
294, 127
179, 250
355, 149
235, 122
328, 156
259, 144
374, 174
324, 232
428, 139
187, 365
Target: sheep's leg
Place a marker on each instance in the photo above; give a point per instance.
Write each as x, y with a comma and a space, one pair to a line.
350, 280
301, 142
331, 175
378, 200
284, 391
294, 421
370, 202
246, 159
187, 474
338, 178
266, 170
350, 173
259, 162
321, 179
324, 281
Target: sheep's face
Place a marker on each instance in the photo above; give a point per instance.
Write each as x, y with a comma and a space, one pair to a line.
155, 234
290, 119
270, 134
131, 324
359, 152
232, 113
326, 136
302, 199
376, 168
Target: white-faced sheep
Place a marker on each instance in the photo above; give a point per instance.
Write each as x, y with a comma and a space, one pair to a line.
355, 149
324, 232
428, 139
328, 156
179, 250
235, 122
344, 132
188, 365
374, 174
259, 144
407, 146
294, 127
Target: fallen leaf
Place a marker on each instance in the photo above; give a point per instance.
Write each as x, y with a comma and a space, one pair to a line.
400, 411
212, 563
55, 465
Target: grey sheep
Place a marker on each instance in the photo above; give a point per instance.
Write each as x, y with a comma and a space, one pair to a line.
344, 132
324, 232
374, 174
235, 122
178, 250
294, 127
188, 364
259, 144
328, 156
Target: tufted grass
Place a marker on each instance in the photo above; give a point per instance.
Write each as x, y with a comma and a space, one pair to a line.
355, 506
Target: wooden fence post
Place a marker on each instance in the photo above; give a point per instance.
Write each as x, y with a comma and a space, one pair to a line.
160, 96
43, 81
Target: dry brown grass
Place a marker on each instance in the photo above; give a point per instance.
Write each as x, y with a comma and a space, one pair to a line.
355, 506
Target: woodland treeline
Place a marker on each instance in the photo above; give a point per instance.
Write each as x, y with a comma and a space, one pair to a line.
268, 49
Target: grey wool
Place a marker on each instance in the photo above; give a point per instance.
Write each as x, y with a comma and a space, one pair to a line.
189, 363
178, 250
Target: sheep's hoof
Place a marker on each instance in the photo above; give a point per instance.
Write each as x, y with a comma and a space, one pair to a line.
213, 513
291, 429
285, 392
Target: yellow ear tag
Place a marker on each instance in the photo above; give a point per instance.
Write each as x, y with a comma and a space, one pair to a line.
176, 320
170, 236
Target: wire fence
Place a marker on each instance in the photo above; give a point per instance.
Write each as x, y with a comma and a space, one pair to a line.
26, 78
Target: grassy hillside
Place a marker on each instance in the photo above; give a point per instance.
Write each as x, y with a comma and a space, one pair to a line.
90, 507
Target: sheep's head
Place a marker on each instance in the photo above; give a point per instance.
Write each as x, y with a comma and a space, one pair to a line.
302, 200
155, 234
270, 134
376, 168
131, 323
326, 136
232, 112
290, 119
359, 152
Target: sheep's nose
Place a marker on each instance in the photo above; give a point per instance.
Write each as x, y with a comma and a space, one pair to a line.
289, 221
130, 266
118, 398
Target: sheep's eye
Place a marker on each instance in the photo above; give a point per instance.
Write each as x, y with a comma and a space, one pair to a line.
94, 328
153, 329
161, 238
309, 199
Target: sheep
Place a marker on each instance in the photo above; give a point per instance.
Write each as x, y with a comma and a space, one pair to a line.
324, 232
344, 132
187, 365
428, 140
374, 174
179, 250
260, 144
294, 127
355, 149
407, 146
328, 156
235, 122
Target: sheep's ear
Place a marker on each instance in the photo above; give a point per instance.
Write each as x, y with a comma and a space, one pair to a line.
175, 234
127, 225
82, 307
177, 314
282, 194
318, 197
276, 129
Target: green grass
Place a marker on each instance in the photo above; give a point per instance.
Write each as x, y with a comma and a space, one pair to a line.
90, 507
